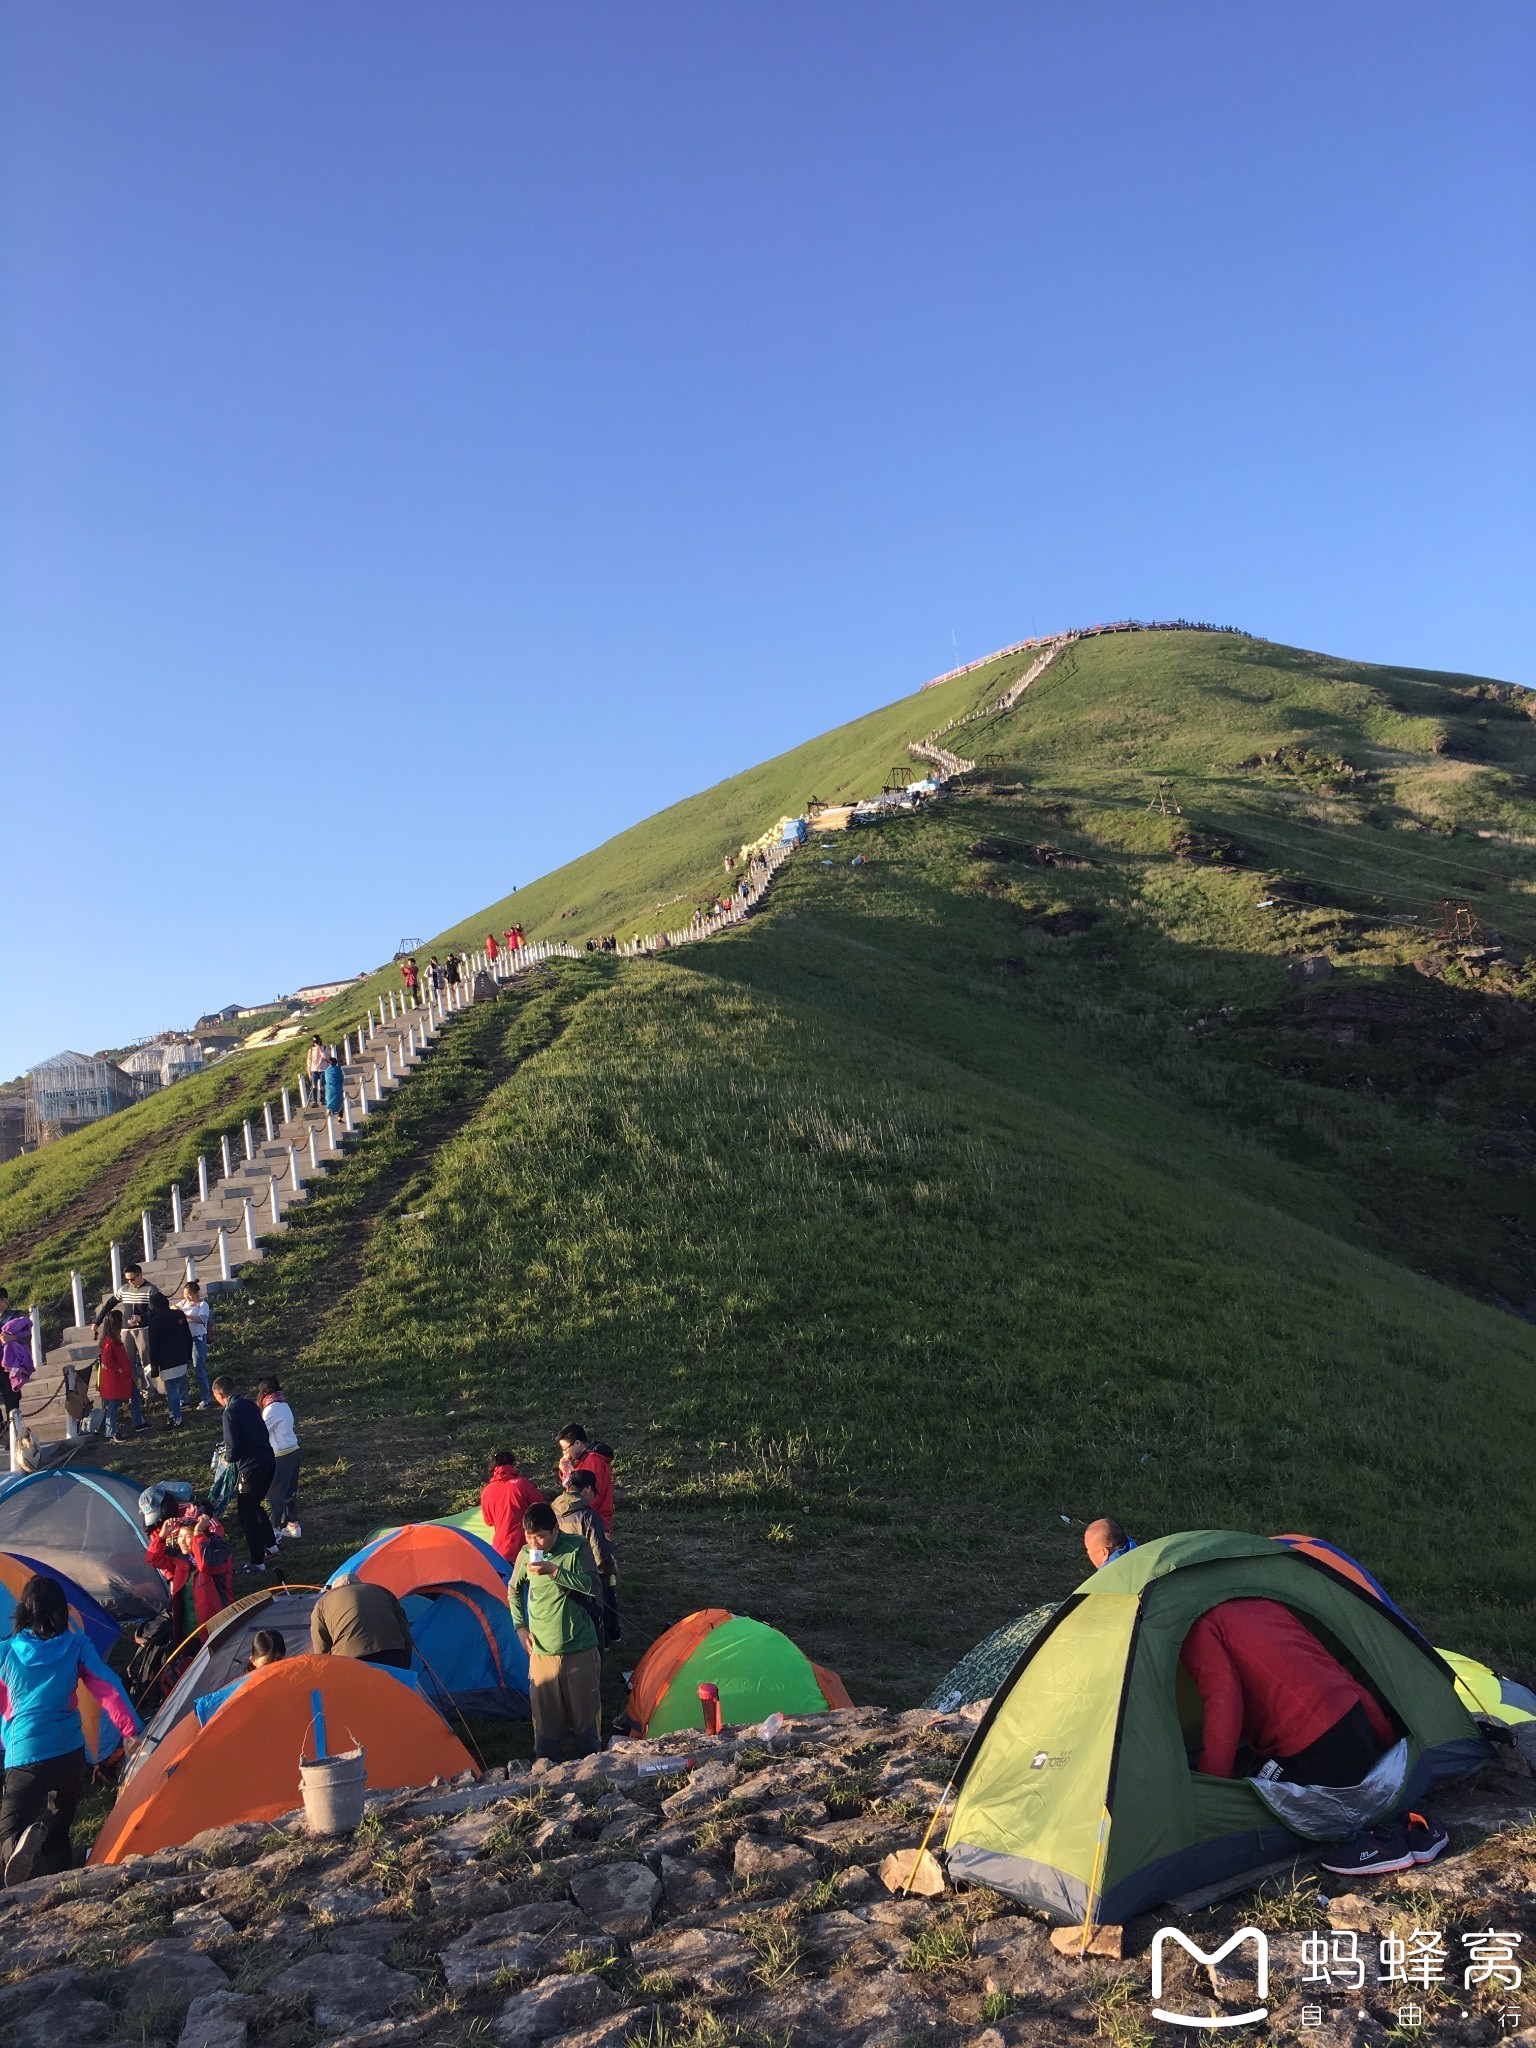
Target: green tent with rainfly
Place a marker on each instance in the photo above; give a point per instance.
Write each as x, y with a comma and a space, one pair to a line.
1076, 1793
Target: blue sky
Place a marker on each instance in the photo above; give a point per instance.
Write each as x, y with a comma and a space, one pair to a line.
438, 435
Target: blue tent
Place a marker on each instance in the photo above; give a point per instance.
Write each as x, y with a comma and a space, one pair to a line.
83, 1524
467, 1652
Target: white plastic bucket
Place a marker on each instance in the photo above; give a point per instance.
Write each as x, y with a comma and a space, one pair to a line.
334, 1788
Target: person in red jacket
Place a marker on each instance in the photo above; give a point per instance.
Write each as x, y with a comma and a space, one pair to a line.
579, 1454
504, 1499
193, 1558
115, 1382
1268, 1684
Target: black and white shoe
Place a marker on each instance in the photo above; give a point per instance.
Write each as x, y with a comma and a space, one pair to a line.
1371, 1853
22, 1860
1426, 1838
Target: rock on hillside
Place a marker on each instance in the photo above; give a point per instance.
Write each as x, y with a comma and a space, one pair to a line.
734, 1901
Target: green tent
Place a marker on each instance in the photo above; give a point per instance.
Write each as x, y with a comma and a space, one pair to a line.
1076, 1793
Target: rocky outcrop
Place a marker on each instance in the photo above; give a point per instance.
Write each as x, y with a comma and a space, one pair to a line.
733, 1904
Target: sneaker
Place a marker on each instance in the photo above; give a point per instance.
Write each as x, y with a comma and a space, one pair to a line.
203, 1407
272, 1554
22, 1860
140, 1426
1369, 1854
247, 1569
1426, 1838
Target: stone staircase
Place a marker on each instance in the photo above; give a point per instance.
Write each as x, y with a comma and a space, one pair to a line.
244, 1196
263, 1171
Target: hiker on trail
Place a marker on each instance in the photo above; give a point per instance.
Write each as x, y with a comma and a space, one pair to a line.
335, 1086
577, 1517
435, 974
189, 1299
249, 1449
491, 947
193, 1558
410, 974
115, 1382
43, 1665
284, 1439
1268, 1685
1104, 1541
355, 1618
169, 1342
550, 1598
451, 970
504, 1499
314, 1065
578, 1453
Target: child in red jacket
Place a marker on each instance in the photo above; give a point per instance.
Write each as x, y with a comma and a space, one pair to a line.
193, 1558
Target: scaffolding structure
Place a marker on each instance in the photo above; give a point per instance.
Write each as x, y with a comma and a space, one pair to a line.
72, 1090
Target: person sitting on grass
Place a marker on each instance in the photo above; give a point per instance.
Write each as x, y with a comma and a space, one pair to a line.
43, 1666
504, 1499
1104, 1541
552, 1596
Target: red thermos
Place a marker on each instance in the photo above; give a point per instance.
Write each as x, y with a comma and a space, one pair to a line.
709, 1699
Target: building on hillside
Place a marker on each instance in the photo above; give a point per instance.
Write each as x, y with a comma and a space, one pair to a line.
72, 1090
161, 1061
215, 1018
321, 991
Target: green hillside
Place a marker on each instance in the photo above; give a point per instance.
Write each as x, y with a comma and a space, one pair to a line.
1003, 1176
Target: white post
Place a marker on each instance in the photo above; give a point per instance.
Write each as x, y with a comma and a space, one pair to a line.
147, 1231
287, 1107
77, 1296
314, 1151
191, 1267
250, 1225
389, 1064
277, 1214
224, 1272
330, 1130
117, 1267
176, 1219
346, 1113
266, 1117
362, 1094
378, 1089
202, 1176
293, 1169
391, 1006
224, 1154
346, 1049
250, 1139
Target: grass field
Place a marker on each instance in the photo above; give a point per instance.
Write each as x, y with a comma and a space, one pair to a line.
1000, 1178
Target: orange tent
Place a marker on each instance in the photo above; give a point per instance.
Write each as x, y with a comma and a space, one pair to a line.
757, 1670
244, 1764
427, 1554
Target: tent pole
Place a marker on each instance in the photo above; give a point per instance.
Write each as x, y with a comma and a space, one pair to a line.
1090, 1916
927, 1836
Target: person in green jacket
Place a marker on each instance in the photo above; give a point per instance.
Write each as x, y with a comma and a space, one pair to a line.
552, 1597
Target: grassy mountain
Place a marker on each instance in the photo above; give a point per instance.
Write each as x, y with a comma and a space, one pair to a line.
1002, 1177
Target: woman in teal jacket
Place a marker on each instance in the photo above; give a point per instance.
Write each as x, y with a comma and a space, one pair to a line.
43, 1665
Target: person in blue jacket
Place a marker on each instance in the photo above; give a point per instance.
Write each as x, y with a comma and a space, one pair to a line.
335, 1086
44, 1663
